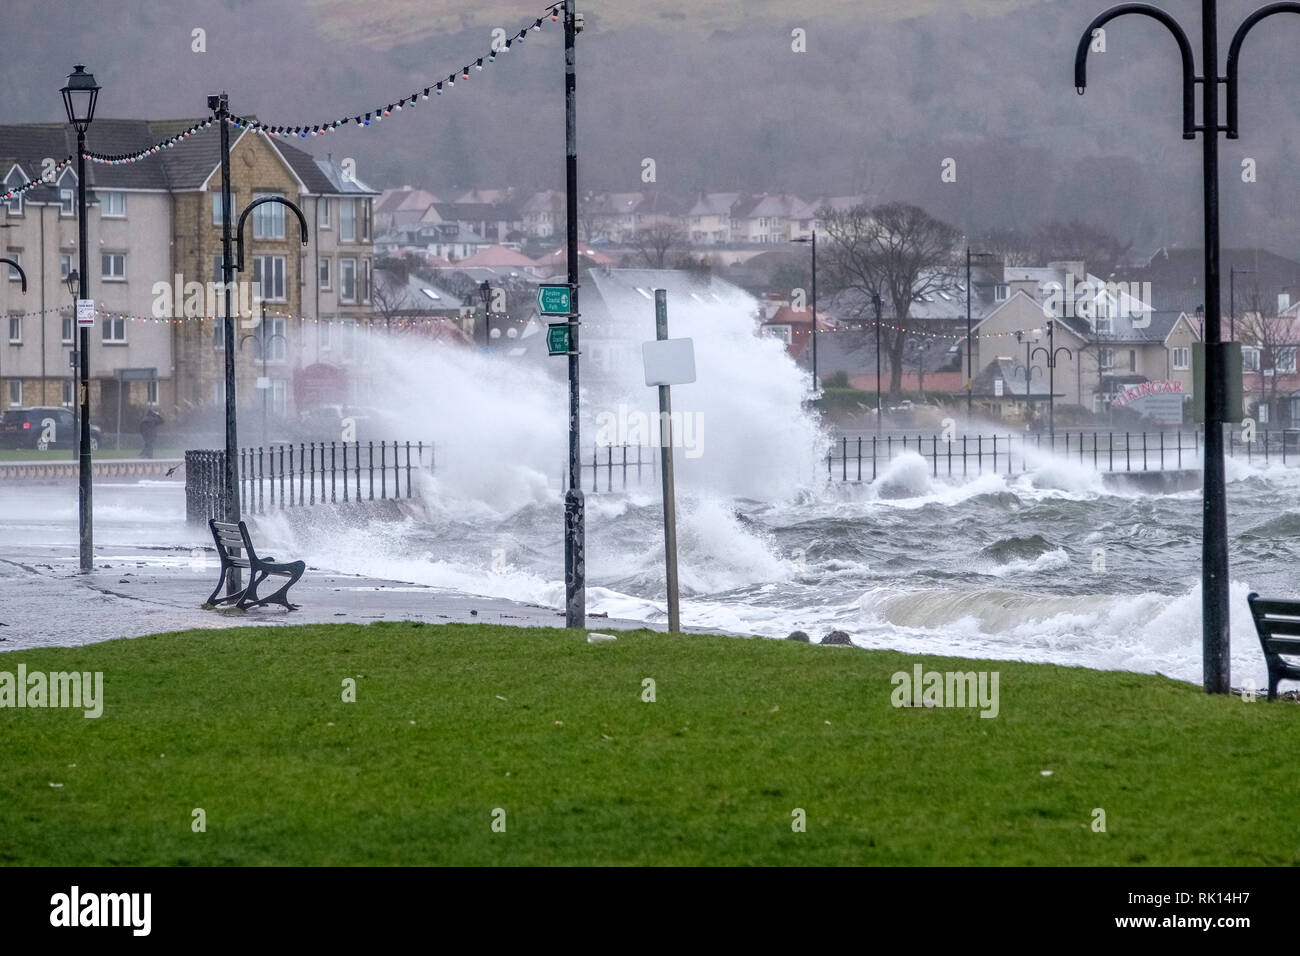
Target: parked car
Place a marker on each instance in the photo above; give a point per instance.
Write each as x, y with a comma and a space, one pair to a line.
42, 426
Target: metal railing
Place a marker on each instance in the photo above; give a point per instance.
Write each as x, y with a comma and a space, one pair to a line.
624, 466
861, 458
300, 476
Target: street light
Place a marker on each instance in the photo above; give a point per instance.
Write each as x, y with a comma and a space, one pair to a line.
970, 370
1051, 352
264, 385
79, 98
1029, 370
878, 305
1214, 534
485, 292
813, 240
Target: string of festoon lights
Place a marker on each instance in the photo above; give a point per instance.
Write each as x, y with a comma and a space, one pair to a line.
866, 325
361, 119
123, 159
379, 113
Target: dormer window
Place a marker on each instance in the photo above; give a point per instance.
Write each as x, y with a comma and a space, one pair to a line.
13, 181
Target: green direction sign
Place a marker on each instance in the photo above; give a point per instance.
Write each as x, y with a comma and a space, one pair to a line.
554, 300
557, 337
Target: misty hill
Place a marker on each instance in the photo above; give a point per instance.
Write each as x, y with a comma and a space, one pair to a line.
715, 94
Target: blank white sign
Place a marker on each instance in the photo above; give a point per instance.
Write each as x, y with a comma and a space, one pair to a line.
669, 362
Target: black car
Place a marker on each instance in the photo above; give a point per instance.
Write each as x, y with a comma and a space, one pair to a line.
45, 426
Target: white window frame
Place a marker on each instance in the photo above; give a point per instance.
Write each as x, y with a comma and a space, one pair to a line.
151, 391
268, 215
1284, 360
113, 330
16, 392
15, 324
279, 397
347, 220
13, 181
346, 264
112, 258
1186, 358
324, 217
65, 264
276, 340
105, 198
17, 256
67, 328
1001, 292
216, 207
277, 277
1250, 359
325, 274
1106, 359
67, 393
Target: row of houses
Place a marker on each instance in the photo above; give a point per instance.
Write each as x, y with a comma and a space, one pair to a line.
410, 219
1115, 338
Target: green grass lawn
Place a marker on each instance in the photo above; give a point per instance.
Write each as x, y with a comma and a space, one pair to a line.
132, 450
452, 722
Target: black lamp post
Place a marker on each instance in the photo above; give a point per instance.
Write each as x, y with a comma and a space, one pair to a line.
813, 240
1029, 369
877, 304
79, 97
263, 340
1214, 499
970, 370
485, 293
1051, 352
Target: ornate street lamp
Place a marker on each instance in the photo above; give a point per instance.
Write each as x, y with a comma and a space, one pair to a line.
80, 95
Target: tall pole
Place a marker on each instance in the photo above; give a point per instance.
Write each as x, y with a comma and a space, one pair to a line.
666, 464
575, 571
227, 280
1051, 384
266, 382
875, 300
816, 381
970, 371
1214, 534
85, 511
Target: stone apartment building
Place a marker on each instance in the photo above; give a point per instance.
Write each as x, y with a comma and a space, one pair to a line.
128, 209
155, 228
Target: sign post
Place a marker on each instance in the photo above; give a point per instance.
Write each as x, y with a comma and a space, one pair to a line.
668, 362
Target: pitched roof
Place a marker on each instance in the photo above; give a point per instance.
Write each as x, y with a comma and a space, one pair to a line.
496, 257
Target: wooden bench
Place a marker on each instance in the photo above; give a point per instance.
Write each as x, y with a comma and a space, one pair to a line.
233, 538
1277, 621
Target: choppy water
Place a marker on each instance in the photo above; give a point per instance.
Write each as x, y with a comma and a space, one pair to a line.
1000, 566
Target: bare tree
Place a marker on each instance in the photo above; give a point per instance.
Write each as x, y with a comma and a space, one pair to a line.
1277, 339
897, 251
1099, 250
389, 297
657, 242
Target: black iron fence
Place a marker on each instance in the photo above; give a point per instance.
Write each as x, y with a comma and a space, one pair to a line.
623, 466
861, 458
309, 473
